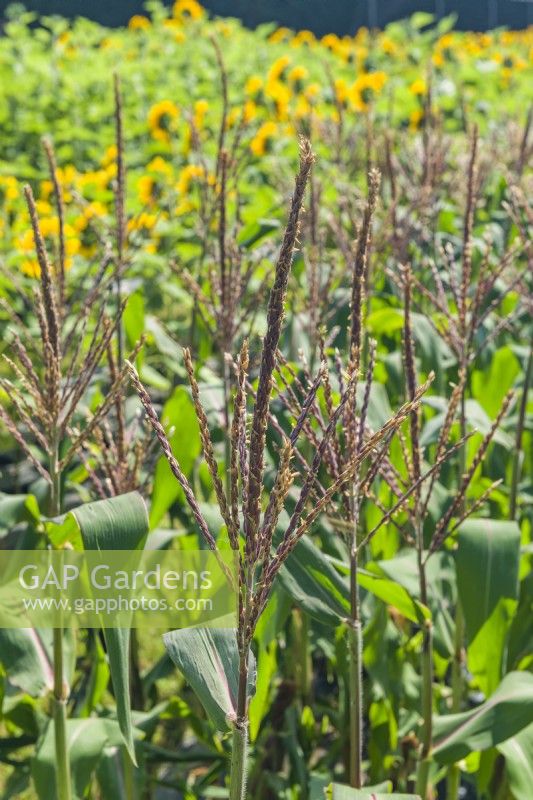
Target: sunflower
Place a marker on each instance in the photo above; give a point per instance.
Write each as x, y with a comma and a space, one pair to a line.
159, 164
418, 87
278, 69
94, 210
312, 92
341, 90
49, 227
365, 88
277, 91
187, 175
254, 85
331, 41
161, 119
297, 76
303, 37
146, 190
110, 156
187, 9
416, 118
388, 45
31, 268
201, 107
250, 111
9, 187
142, 222
138, 22
279, 35
262, 139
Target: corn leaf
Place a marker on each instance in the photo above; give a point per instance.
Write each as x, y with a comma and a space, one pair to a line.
339, 792
120, 523
504, 714
87, 739
318, 587
309, 578
320, 786
26, 657
209, 660
518, 753
17, 508
178, 414
266, 669
487, 562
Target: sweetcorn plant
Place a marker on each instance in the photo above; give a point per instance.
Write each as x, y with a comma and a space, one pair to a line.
251, 532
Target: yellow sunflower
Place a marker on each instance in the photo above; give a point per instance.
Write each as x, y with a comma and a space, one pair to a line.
263, 138
187, 175
161, 119
253, 86
138, 22
187, 9
201, 107
418, 87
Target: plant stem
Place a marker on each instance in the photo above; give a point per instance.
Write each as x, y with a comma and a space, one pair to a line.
238, 774
237, 788
304, 642
120, 208
356, 679
60, 692
300, 632
60, 721
422, 778
129, 780
227, 436
519, 434
454, 773
355, 654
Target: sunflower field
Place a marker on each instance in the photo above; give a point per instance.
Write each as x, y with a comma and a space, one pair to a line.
266, 306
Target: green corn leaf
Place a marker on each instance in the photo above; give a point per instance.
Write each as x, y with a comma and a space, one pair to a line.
393, 594
87, 739
266, 670
386, 321
118, 651
109, 774
440, 570
316, 585
253, 233
518, 753
164, 343
339, 792
504, 714
133, 319
178, 414
209, 660
520, 642
119, 523
309, 578
487, 562
26, 656
490, 389
320, 787
17, 508
98, 678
